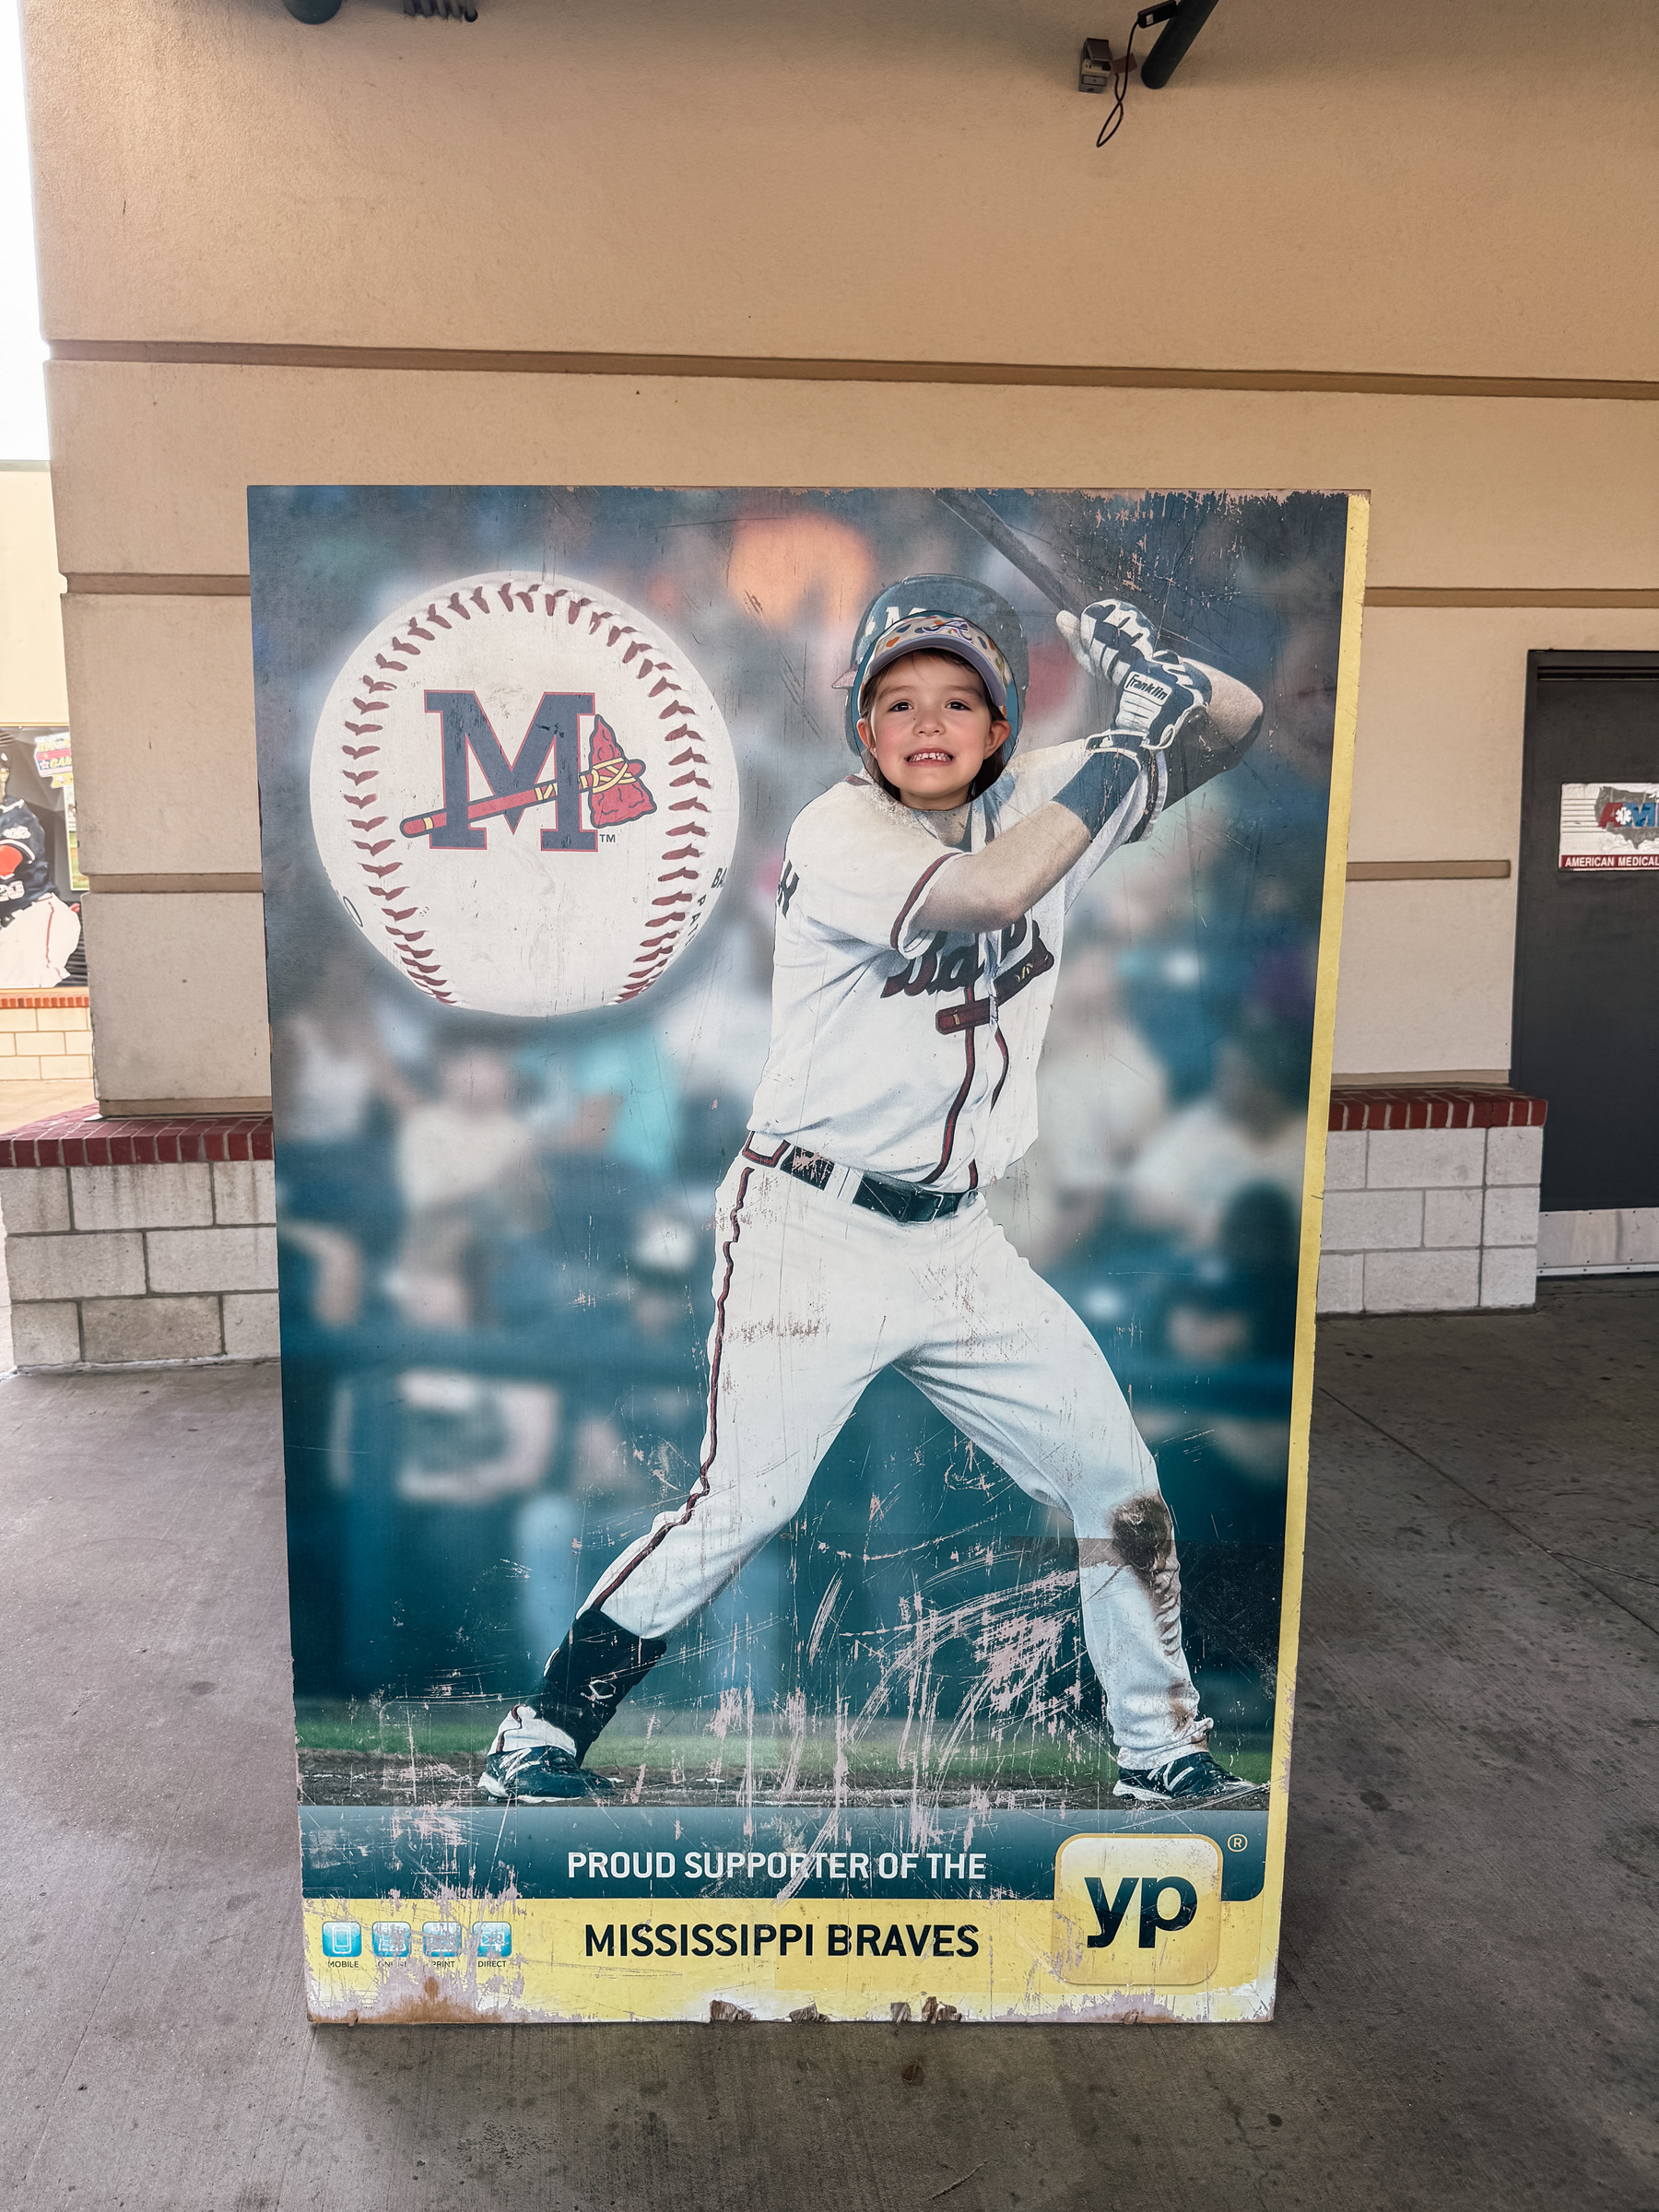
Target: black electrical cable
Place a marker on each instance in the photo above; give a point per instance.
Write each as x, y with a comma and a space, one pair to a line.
1119, 79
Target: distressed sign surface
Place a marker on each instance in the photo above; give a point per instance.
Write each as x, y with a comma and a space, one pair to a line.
1608, 827
798, 1236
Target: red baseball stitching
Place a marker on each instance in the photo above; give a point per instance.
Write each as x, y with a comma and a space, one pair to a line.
409, 946
663, 932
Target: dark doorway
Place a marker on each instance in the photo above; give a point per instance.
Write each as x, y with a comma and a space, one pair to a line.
1586, 943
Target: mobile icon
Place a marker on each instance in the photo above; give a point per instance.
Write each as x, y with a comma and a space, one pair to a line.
342, 1940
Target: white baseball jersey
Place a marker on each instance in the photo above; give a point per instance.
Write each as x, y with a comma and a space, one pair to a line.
910, 1053
902, 1051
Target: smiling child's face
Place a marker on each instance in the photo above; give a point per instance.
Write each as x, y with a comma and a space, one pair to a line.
930, 728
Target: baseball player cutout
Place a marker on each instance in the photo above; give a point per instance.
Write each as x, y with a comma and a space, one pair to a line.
38, 931
921, 920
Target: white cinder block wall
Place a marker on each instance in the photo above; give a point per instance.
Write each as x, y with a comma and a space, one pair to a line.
112, 1265
45, 1037
1429, 1220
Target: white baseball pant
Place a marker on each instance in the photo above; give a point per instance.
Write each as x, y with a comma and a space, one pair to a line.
813, 1296
35, 945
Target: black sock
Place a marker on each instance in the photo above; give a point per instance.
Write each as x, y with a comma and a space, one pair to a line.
591, 1673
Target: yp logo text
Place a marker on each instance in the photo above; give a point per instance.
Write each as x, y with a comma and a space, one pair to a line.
1137, 1909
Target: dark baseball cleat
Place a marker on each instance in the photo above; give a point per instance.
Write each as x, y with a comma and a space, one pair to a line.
532, 1762
1191, 1779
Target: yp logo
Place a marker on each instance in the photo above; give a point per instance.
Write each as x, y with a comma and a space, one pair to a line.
1137, 1909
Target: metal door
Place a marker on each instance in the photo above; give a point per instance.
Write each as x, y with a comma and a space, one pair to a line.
1586, 943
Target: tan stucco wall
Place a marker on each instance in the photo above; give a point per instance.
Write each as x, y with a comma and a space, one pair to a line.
1409, 187
1410, 191
32, 689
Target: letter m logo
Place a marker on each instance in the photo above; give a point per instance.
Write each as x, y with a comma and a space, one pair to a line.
468, 737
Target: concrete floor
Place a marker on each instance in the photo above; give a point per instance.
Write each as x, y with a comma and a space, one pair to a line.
1467, 2006
21, 1103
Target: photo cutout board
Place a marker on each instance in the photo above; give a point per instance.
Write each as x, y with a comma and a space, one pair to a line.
802, 1032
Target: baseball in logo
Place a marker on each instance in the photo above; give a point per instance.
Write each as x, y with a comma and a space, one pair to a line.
524, 795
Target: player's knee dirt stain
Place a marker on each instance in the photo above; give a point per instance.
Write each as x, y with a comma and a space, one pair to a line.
1143, 1535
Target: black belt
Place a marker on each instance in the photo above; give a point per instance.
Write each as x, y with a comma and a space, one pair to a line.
895, 1201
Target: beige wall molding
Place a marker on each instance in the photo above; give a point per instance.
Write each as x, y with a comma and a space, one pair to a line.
91, 587
1405, 594
85, 585
827, 369
173, 1109
1421, 1078
1358, 871
231, 881
1424, 871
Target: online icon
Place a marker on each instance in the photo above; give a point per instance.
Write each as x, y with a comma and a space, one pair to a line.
392, 1938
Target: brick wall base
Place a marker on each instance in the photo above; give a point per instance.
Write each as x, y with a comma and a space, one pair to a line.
45, 1037
1431, 1201
132, 1241
139, 1241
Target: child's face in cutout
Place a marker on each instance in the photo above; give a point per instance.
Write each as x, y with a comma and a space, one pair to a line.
930, 729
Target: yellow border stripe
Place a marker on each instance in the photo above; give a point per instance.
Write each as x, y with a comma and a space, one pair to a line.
1319, 1114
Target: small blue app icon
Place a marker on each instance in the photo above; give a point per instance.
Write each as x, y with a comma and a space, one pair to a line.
392, 1938
342, 1940
495, 1939
442, 1939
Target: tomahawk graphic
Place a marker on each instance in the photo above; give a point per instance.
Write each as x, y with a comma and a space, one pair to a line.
607, 775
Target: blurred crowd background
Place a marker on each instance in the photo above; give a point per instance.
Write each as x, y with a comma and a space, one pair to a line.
496, 1236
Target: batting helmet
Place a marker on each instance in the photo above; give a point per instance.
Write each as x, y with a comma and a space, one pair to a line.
923, 612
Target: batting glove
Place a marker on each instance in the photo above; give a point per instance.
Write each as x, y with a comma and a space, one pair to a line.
1108, 638
1160, 699
1157, 702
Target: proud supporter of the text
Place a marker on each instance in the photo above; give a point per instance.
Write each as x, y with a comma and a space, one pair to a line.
778, 1866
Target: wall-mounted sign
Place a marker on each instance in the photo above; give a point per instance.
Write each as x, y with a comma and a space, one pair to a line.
801, 1023
1609, 826
51, 758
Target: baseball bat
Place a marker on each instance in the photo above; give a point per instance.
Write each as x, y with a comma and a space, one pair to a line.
605, 777
976, 510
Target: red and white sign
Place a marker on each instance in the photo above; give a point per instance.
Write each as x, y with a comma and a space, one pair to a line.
1609, 827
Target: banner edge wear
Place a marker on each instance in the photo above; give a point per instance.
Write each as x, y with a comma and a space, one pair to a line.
799, 1141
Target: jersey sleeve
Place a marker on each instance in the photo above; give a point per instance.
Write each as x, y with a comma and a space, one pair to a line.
863, 876
25, 870
1046, 772
21, 829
